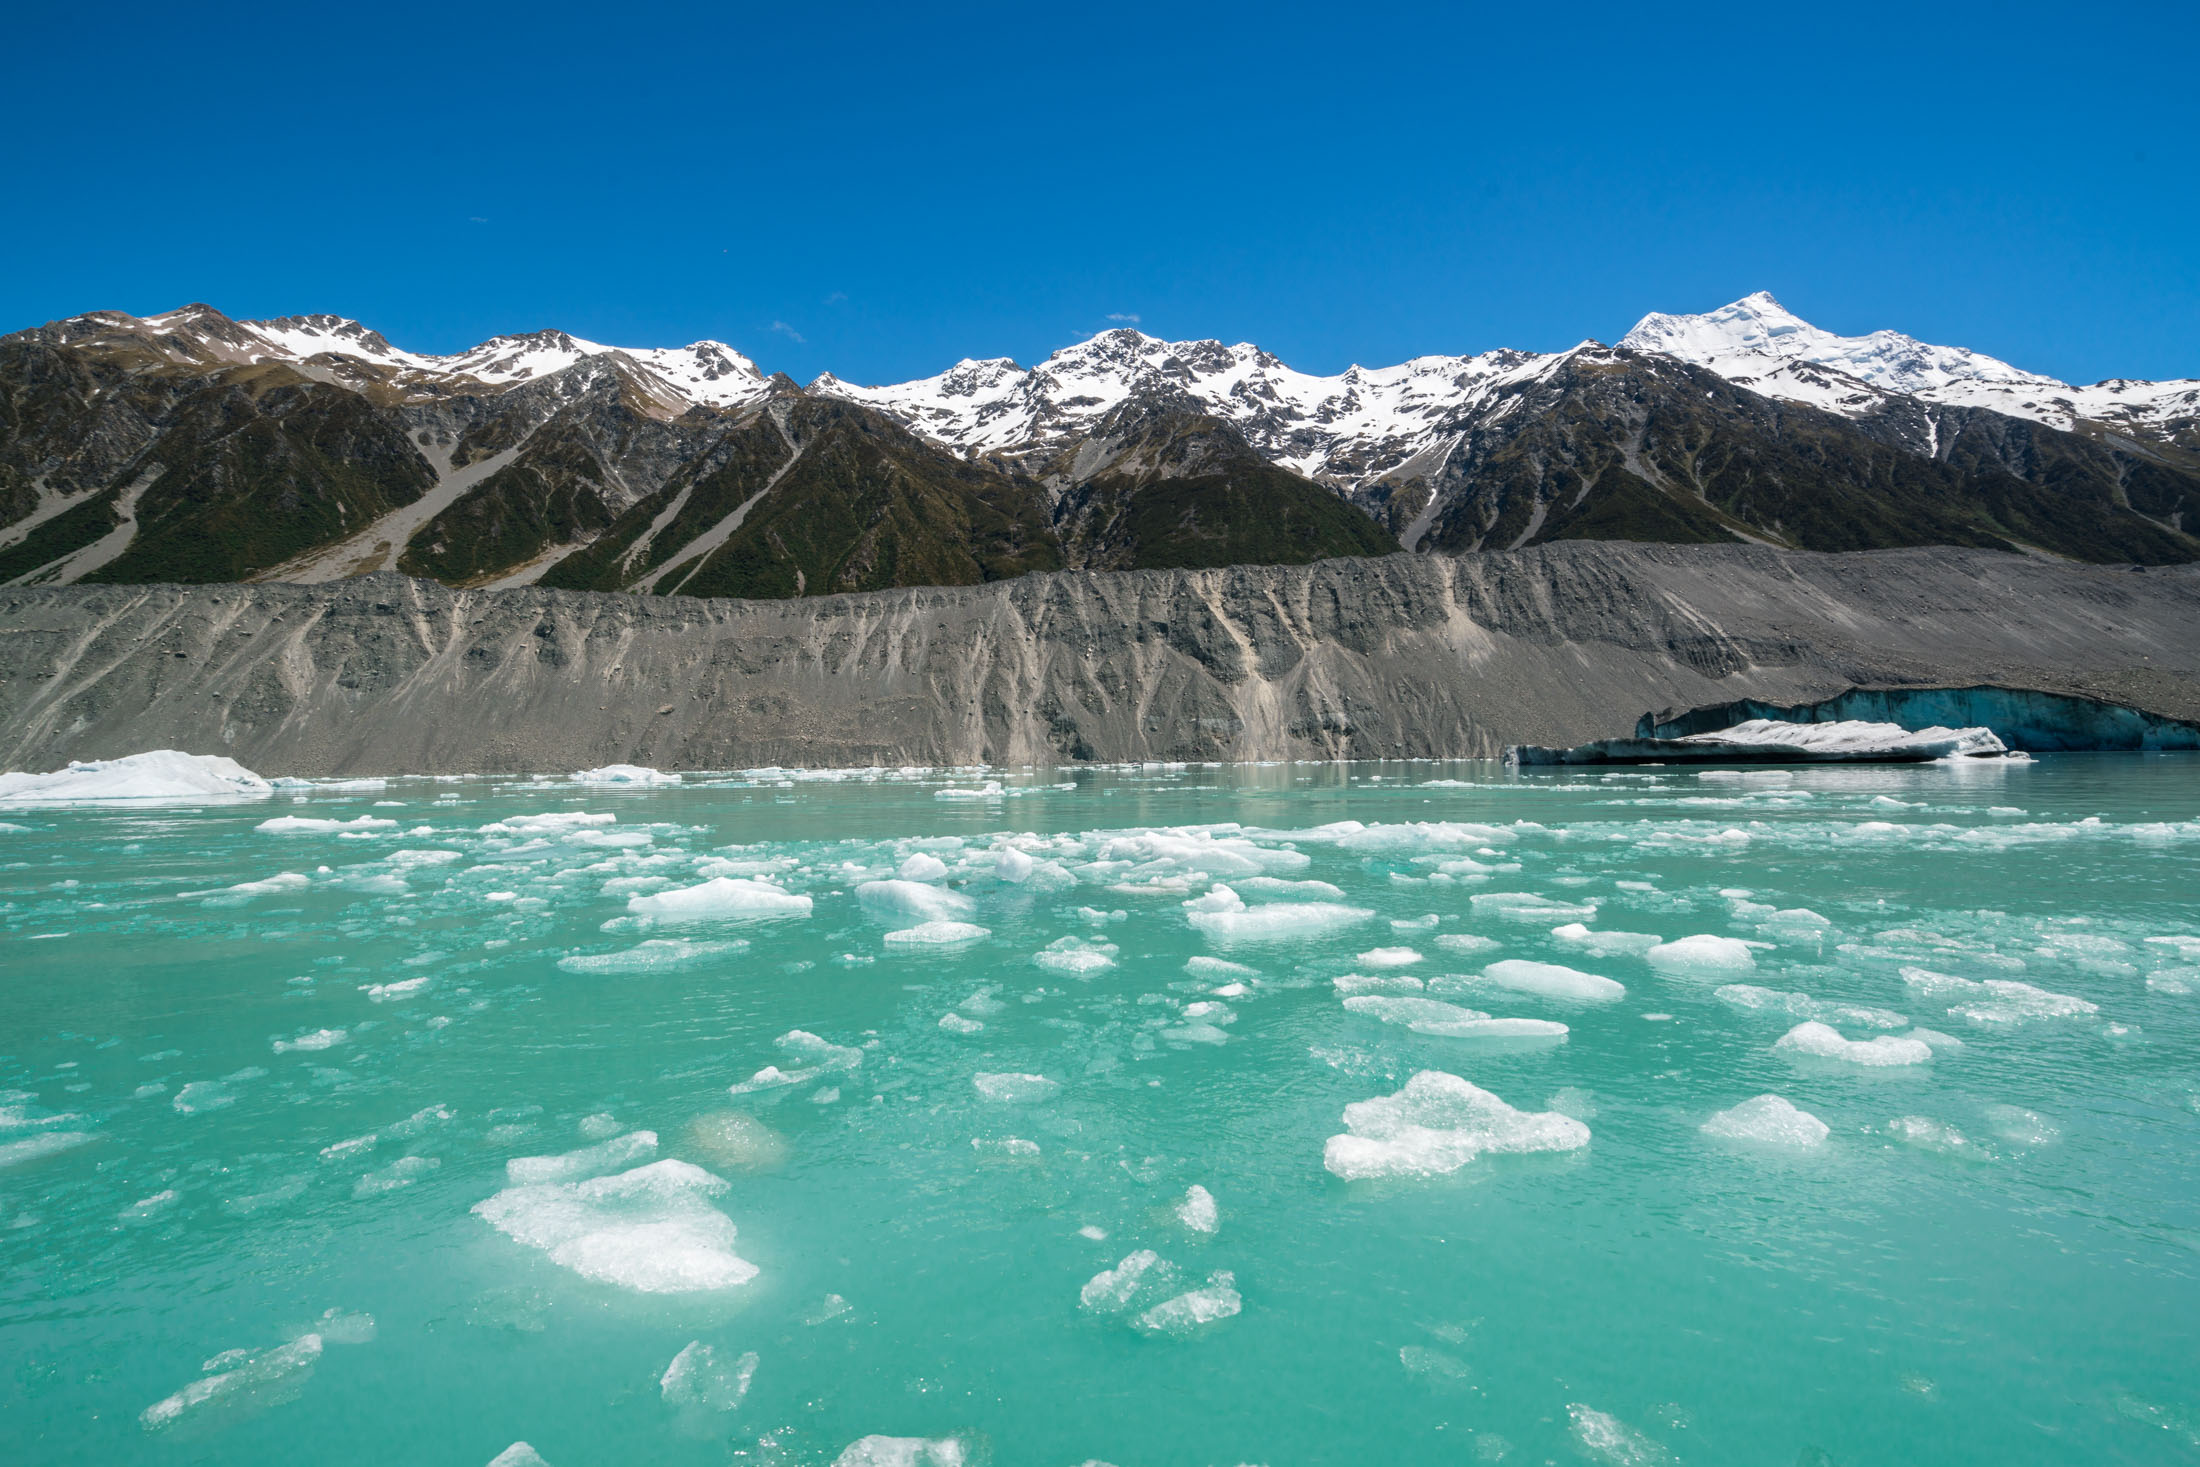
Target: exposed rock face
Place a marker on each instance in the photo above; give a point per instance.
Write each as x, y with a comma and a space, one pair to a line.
1397, 656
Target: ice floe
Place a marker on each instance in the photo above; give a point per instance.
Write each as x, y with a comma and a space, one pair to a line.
1703, 953
45, 1143
1448, 1021
1823, 1041
1523, 906
657, 955
699, 1379
590, 1161
239, 1380
722, 899
1995, 1000
1753, 999
1605, 1438
901, 897
1194, 1309
1552, 980
1604, 944
1198, 1211
905, 1451
1436, 1124
1222, 916
811, 1057
630, 775
1769, 1120
938, 935
316, 825
1388, 957
1077, 957
652, 1230
1010, 1088
166, 776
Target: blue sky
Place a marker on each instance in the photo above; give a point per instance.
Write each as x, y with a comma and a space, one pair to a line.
882, 190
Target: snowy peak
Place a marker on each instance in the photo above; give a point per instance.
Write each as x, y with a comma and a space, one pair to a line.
1758, 343
709, 373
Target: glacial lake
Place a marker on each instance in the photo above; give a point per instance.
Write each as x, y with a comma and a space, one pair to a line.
1399, 1113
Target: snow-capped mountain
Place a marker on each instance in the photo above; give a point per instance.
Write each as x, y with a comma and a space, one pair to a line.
1346, 431
707, 373
1758, 343
189, 446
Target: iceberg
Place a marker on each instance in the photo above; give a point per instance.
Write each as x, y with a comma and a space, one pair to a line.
1774, 741
1436, 1125
625, 774
721, 899
167, 776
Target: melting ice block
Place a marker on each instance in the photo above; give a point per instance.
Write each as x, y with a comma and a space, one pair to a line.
1223, 916
652, 1229
904, 1451
238, 1379
1995, 1000
1881, 1051
905, 898
1551, 980
722, 899
626, 774
1768, 1120
657, 955
1437, 1124
1015, 1089
1774, 741
163, 775
1703, 953
1448, 1020
938, 934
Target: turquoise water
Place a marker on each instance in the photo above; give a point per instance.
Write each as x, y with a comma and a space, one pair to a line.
224, 1127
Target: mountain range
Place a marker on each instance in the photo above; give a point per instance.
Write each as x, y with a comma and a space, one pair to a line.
191, 447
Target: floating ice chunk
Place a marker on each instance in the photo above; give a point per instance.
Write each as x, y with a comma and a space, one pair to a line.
1927, 1134
957, 1024
1222, 916
1009, 1088
1111, 1290
144, 1207
697, 1379
1934, 1038
651, 1229
1008, 1148
1433, 1365
1412, 836
1802, 1006
1273, 887
205, 1095
1703, 953
626, 774
2021, 1127
1995, 1000
1349, 985
1522, 906
1198, 1211
45, 1143
251, 1379
1389, 957
1605, 944
1206, 967
1437, 1124
938, 934
1194, 1309
392, 992
1768, 1120
311, 825
722, 899
337, 1327
907, 1451
316, 1039
1823, 1041
1608, 1439
245, 891
811, 1056
589, 1161
519, 1454
1468, 944
2177, 982
923, 866
161, 776
1449, 1021
657, 955
1078, 957
402, 1172
990, 790
1550, 980
547, 824
1012, 865
902, 898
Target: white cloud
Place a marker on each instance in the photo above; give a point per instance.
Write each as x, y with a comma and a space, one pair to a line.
788, 331
1130, 319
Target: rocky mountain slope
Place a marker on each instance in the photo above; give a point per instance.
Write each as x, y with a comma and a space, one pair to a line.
1424, 655
190, 447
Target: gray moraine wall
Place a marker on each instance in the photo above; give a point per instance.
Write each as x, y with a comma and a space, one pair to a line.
1402, 656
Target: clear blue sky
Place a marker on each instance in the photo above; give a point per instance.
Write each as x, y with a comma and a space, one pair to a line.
882, 190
